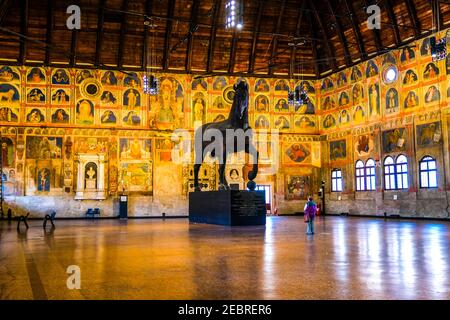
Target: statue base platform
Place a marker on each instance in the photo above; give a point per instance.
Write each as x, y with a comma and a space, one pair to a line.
229, 208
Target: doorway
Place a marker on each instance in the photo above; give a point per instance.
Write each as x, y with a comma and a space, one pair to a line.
268, 196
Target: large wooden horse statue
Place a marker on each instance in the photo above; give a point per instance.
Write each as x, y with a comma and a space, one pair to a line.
237, 119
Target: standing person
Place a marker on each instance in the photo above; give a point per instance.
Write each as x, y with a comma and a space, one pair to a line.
310, 213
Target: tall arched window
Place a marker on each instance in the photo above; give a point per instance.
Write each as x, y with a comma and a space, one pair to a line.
428, 172
396, 173
389, 173
401, 168
336, 180
370, 174
360, 183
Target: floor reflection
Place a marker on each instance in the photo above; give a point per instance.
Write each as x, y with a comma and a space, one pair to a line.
347, 258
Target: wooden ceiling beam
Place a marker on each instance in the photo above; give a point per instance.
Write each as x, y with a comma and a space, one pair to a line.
412, 13
356, 29
122, 35
4, 9
275, 40
375, 32
23, 30
297, 34
251, 65
233, 53
326, 41
437, 16
145, 47
212, 41
340, 33
169, 27
49, 31
393, 21
100, 23
192, 26
313, 46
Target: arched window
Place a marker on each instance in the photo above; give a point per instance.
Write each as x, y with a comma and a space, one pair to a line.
396, 173
401, 168
389, 173
360, 183
336, 180
370, 174
428, 172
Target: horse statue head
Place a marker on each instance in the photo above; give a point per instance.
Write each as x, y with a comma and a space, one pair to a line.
239, 109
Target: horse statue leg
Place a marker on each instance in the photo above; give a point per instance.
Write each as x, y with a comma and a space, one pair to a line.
223, 184
196, 170
250, 149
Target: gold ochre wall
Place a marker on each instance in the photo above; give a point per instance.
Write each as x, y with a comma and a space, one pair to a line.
49, 116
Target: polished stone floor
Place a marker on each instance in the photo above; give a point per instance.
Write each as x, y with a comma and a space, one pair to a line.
347, 258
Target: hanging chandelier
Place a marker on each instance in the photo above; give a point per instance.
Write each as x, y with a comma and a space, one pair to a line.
151, 84
298, 97
149, 79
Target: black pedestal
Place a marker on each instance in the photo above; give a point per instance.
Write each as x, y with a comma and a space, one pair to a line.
230, 208
123, 207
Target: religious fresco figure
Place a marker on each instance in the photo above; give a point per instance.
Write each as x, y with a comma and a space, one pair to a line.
132, 98
297, 152
410, 77
199, 109
60, 116
358, 116
35, 95
35, 116
8, 115
108, 117
432, 94
344, 117
372, 69
328, 103
429, 134
344, 99
107, 97
262, 103
8, 75
282, 123
305, 86
132, 119
304, 122
282, 105
391, 99
60, 77
132, 80
109, 79
407, 55
9, 93
394, 140
85, 112
219, 83
169, 105
329, 122
338, 150
425, 48
431, 71
218, 103
43, 180
281, 85
411, 100
7, 150
35, 75
447, 64
262, 122
357, 93
374, 99
199, 84
327, 84
341, 79
356, 74
60, 97
83, 75
261, 85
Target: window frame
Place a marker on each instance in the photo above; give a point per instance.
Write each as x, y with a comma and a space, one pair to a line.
428, 171
360, 179
398, 175
338, 179
366, 175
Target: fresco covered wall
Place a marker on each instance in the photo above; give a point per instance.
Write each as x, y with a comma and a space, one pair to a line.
363, 116
90, 134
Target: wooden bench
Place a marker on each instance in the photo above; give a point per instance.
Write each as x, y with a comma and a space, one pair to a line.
49, 217
23, 219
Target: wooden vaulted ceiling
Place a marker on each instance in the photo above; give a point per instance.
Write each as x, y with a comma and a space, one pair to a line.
280, 38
